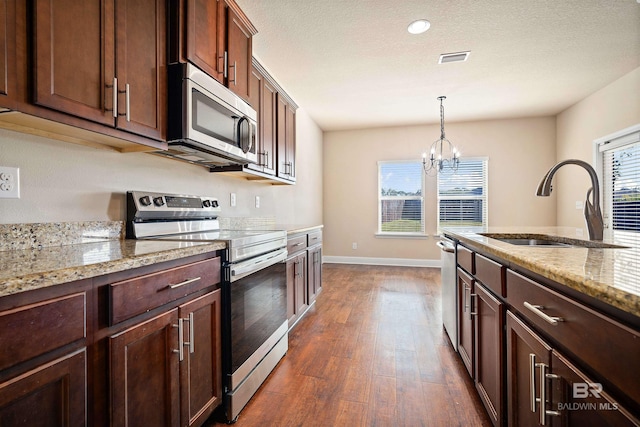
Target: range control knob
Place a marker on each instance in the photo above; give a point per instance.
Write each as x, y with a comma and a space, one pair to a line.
206, 203
158, 201
145, 201
214, 203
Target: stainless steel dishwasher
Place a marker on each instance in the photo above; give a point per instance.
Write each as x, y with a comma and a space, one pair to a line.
449, 294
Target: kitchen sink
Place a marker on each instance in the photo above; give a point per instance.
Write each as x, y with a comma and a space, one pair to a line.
532, 242
543, 240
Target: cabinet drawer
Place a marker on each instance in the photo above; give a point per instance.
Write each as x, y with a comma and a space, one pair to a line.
491, 274
607, 347
466, 259
296, 244
141, 294
35, 329
314, 237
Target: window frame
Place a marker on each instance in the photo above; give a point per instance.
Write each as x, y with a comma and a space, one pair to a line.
380, 198
484, 197
601, 146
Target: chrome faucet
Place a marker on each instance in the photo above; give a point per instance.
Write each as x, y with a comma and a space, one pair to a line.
592, 213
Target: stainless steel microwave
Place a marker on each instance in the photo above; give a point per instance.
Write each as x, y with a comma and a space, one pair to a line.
208, 124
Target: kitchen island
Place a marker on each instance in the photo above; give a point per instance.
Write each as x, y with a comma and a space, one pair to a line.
549, 333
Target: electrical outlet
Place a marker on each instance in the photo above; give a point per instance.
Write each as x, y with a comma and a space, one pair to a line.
578, 204
257, 201
354, 245
233, 200
9, 183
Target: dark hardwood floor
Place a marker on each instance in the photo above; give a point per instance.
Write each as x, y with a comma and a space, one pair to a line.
370, 352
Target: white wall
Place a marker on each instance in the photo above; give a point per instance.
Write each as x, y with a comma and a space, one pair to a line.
610, 109
67, 182
519, 151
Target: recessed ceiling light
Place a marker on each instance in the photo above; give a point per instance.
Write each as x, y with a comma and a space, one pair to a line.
419, 26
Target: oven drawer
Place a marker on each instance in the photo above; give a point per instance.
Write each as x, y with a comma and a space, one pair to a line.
606, 346
141, 294
296, 243
314, 238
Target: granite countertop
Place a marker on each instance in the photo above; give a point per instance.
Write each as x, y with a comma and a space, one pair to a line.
34, 256
609, 275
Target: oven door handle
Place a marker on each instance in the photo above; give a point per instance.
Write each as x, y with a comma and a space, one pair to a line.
250, 266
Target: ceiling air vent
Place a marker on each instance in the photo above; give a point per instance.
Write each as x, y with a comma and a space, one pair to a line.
453, 57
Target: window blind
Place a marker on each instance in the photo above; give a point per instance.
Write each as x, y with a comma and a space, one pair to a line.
620, 160
462, 195
400, 194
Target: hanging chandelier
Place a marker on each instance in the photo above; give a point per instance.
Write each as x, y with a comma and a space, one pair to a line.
442, 153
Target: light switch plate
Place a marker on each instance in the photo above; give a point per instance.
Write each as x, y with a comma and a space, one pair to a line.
9, 183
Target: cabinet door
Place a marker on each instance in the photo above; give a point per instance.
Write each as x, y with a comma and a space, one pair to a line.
200, 371
144, 373
263, 99
53, 394
302, 299
7, 53
488, 351
315, 273
141, 66
238, 56
74, 57
576, 400
527, 355
465, 320
286, 140
206, 35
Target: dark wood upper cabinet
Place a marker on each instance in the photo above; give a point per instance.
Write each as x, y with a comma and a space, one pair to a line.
74, 57
239, 53
205, 30
263, 100
7, 54
286, 135
90, 56
215, 35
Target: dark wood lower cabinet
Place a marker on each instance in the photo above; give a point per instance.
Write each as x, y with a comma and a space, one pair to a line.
145, 373
314, 272
526, 354
297, 299
489, 324
465, 320
53, 394
200, 380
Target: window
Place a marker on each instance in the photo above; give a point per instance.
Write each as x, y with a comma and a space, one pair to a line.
400, 194
462, 195
620, 168
618, 163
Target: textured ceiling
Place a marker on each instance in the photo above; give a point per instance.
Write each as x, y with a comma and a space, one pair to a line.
352, 64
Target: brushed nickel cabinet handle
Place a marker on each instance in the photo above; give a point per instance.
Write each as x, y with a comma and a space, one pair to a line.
537, 309
473, 302
543, 394
114, 97
186, 282
532, 382
192, 334
180, 351
127, 97
225, 65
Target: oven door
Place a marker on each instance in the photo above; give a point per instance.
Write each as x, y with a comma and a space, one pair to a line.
256, 300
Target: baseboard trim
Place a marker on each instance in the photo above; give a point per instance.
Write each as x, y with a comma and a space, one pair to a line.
402, 262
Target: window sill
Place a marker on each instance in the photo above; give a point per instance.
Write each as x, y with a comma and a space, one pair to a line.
401, 236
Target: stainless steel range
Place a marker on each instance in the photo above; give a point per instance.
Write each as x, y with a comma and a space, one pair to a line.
254, 289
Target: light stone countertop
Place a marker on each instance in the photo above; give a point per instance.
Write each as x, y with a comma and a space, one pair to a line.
609, 275
28, 269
